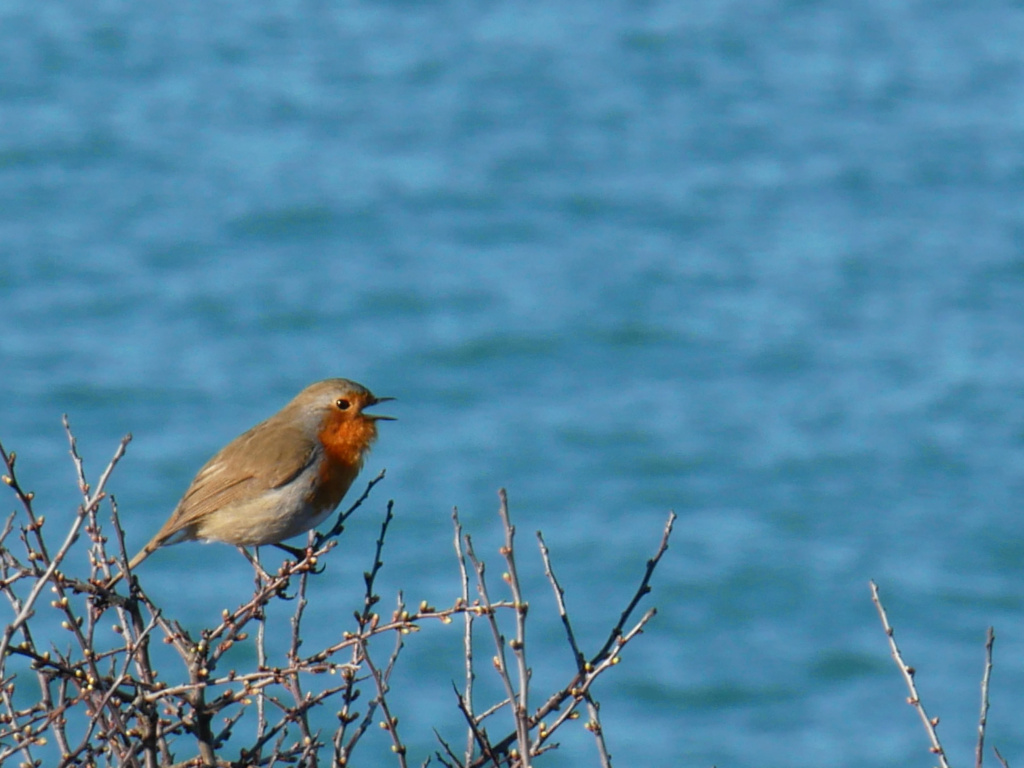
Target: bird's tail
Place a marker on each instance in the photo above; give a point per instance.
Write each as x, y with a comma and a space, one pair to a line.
145, 552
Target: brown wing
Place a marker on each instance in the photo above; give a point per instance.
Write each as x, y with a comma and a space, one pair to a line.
267, 456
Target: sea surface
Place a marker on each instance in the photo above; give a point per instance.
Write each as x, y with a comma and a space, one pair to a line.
759, 263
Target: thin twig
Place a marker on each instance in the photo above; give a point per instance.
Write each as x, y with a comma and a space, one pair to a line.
908, 676
595, 727
83, 511
601, 661
479, 734
261, 661
580, 687
294, 681
563, 614
380, 680
593, 708
522, 735
339, 524
979, 753
467, 635
518, 645
643, 589
368, 621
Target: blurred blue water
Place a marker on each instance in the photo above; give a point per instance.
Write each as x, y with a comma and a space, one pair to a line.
760, 264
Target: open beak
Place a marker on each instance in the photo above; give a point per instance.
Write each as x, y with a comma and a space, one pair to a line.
377, 417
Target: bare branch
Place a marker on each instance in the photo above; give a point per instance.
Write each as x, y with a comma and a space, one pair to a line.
908, 677
88, 505
520, 711
990, 639
643, 589
339, 524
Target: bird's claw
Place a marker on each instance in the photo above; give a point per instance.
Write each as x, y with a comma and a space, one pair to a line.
295, 552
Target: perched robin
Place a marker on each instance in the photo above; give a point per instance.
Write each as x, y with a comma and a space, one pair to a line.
282, 477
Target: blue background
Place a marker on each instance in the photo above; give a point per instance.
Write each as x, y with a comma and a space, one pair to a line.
759, 263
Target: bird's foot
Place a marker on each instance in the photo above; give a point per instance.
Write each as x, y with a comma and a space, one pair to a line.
302, 554
295, 552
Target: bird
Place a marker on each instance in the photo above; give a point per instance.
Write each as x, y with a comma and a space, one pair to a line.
281, 478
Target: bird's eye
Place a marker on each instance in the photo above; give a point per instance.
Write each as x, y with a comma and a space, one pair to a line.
343, 404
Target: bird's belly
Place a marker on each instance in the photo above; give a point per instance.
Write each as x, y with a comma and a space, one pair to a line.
272, 517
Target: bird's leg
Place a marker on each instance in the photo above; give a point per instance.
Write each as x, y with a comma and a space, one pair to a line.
256, 563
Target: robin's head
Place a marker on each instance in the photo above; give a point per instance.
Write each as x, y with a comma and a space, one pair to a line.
335, 411
336, 401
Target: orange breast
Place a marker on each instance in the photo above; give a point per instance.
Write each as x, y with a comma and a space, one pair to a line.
345, 442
